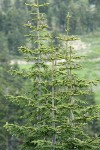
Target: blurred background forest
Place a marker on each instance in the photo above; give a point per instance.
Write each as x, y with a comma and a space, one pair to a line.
85, 22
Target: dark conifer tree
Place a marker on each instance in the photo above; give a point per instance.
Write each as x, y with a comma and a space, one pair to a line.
55, 116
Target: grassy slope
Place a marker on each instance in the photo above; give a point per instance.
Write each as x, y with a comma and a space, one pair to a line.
91, 64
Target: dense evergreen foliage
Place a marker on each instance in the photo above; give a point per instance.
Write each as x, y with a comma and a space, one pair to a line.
56, 117
8, 85
8, 111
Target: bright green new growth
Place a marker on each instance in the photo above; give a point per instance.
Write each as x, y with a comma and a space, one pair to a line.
56, 118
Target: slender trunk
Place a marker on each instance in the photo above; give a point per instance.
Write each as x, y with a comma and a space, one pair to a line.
9, 145
38, 24
71, 89
70, 72
53, 101
39, 56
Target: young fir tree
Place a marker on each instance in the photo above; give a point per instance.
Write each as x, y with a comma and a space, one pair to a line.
55, 117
